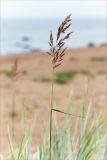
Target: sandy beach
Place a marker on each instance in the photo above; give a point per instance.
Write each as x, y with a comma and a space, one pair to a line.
31, 90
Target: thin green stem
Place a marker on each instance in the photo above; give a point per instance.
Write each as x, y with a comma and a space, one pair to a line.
50, 133
0, 117
52, 88
51, 106
106, 113
13, 114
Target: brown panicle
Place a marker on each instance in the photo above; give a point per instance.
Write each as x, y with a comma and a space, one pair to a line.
57, 51
14, 70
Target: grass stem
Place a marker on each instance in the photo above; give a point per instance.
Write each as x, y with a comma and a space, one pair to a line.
52, 90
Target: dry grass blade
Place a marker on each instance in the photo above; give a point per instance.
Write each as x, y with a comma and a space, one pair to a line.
57, 51
56, 110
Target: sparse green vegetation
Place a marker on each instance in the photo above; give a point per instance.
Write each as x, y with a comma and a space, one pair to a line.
13, 114
36, 106
45, 78
6, 72
84, 72
64, 76
98, 59
24, 72
101, 72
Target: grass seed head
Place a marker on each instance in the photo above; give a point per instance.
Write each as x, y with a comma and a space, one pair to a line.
57, 51
14, 70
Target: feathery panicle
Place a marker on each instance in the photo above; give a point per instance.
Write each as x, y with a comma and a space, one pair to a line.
64, 26
57, 51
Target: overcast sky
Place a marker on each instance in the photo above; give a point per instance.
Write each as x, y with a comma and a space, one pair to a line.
53, 9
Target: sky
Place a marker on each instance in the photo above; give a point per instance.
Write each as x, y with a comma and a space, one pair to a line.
52, 9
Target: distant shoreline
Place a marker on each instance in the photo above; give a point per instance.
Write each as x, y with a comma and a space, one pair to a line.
39, 52
90, 45
20, 35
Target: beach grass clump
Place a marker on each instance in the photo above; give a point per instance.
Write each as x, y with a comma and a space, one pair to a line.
64, 77
98, 59
6, 72
45, 78
24, 72
85, 72
102, 72
13, 114
42, 78
85, 140
12, 72
59, 77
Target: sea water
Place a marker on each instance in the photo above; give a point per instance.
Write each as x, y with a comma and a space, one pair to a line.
18, 35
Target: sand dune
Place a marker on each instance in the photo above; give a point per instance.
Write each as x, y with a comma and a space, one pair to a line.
90, 65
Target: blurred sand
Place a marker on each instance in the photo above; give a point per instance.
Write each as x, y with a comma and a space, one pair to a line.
36, 94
